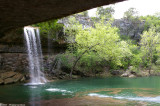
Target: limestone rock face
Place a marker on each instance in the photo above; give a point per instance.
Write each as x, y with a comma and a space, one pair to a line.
7, 74
1, 81
8, 80
17, 77
129, 28
11, 77
23, 79
126, 27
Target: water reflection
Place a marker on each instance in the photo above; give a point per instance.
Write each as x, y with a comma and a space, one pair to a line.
146, 88
36, 94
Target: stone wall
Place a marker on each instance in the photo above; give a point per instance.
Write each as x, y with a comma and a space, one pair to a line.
13, 68
16, 68
13, 62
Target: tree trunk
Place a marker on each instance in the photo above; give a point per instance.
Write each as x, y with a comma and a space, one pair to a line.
75, 63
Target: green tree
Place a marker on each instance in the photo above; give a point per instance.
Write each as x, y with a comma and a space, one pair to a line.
130, 13
49, 28
71, 29
104, 41
151, 20
149, 45
105, 12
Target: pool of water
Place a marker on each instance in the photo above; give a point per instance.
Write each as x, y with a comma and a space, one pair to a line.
144, 89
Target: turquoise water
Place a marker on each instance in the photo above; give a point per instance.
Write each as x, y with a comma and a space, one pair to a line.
146, 89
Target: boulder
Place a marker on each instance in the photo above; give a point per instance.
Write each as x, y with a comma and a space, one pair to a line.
8, 81
11, 77
23, 79
132, 76
17, 77
7, 74
144, 73
116, 72
126, 74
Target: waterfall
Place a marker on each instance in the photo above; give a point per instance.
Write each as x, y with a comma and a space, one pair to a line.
33, 45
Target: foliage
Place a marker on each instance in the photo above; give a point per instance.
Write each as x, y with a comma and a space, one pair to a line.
66, 59
71, 29
105, 12
90, 62
49, 28
130, 13
151, 20
104, 41
84, 13
101, 45
150, 45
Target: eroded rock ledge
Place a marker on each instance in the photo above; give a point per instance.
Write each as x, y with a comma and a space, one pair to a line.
11, 77
19, 13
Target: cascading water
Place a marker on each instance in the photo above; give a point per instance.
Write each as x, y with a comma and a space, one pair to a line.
33, 45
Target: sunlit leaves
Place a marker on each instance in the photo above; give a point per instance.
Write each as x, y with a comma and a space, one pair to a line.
109, 46
150, 44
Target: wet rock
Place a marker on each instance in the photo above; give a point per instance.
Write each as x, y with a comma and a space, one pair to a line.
7, 74
116, 72
8, 81
132, 76
126, 74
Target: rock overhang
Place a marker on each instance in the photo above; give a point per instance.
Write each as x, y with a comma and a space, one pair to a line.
19, 13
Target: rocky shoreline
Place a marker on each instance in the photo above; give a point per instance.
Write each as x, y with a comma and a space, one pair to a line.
14, 69
11, 77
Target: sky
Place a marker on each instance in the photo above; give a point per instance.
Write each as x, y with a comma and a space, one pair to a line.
144, 7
